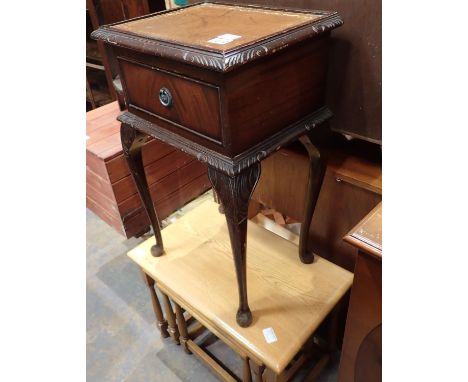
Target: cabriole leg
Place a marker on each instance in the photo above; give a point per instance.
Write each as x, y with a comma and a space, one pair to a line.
132, 142
234, 193
316, 174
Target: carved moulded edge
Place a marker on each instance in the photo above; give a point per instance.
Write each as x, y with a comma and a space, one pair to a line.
230, 166
217, 61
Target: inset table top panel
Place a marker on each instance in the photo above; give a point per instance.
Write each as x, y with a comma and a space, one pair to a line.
286, 295
367, 234
217, 36
215, 26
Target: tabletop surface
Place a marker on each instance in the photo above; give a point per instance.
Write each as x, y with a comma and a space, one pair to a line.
218, 27
367, 234
290, 297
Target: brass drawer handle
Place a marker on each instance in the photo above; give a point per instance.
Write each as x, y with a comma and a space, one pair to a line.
165, 97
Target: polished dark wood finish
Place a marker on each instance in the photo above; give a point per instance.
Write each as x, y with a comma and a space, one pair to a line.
229, 105
361, 357
195, 105
132, 142
162, 323
314, 184
234, 194
354, 82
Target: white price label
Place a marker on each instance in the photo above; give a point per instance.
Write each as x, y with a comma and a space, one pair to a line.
270, 335
224, 38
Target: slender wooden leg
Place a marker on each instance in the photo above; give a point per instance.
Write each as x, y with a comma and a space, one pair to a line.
258, 372
316, 174
132, 142
162, 323
234, 193
182, 325
246, 374
173, 331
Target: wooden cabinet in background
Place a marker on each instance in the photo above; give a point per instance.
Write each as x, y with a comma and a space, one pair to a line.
352, 186
361, 356
174, 177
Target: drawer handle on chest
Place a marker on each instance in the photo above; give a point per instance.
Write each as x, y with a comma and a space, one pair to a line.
165, 97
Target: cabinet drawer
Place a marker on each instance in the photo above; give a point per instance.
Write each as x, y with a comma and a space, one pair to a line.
193, 105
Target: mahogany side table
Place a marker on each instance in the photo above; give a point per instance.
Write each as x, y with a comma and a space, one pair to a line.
230, 85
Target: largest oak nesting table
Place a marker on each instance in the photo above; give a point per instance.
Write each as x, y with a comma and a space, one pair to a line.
230, 85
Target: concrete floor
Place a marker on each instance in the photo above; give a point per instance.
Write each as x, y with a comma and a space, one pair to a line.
123, 343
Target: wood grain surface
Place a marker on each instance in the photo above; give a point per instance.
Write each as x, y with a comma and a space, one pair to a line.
284, 294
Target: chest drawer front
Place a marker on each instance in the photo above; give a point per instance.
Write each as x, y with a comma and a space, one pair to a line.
185, 103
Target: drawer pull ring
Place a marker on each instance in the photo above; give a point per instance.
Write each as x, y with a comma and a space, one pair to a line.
165, 97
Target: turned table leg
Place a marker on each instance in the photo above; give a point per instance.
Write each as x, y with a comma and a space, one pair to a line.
234, 193
132, 142
246, 373
182, 325
162, 323
316, 174
173, 330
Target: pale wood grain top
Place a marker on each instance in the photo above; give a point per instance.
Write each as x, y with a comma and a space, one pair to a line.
367, 234
198, 271
197, 25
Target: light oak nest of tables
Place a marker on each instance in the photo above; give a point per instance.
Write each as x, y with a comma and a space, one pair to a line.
228, 84
291, 299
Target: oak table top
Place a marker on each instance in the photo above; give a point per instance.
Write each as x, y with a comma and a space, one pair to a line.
286, 295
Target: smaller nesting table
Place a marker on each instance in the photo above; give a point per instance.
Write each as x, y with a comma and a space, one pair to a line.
289, 298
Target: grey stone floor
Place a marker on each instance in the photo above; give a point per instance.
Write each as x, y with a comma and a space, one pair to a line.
122, 341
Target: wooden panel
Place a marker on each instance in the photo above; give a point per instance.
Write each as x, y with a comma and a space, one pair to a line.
163, 187
106, 203
166, 165
364, 318
267, 97
100, 184
183, 195
348, 202
195, 105
112, 220
175, 181
96, 165
136, 224
204, 22
284, 294
100, 116
117, 168
283, 183
124, 188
